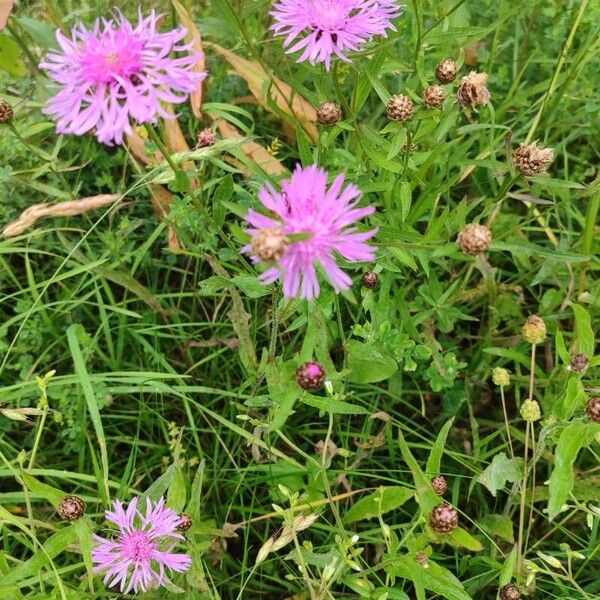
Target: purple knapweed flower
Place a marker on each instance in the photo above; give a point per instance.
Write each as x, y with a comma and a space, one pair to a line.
315, 220
136, 559
328, 27
116, 73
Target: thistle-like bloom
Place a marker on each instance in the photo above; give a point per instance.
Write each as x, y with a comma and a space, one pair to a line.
315, 219
328, 27
116, 73
136, 559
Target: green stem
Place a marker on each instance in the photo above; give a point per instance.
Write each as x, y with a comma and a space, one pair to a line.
512, 452
588, 237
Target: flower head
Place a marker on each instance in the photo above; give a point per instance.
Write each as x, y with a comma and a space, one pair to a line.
116, 73
137, 557
328, 27
321, 217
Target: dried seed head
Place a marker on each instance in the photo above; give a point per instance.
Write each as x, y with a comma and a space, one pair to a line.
185, 522
444, 518
593, 409
329, 450
439, 485
310, 376
206, 138
579, 363
530, 411
446, 71
534, 330
370, 279
6, 112
532, 159
473, 90
71, 508
434, 96
400, 108
501, 377
270, 244
329, 113
510, 592
475, 239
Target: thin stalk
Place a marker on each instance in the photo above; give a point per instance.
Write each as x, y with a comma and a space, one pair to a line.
588, 237
512, 451
165, 152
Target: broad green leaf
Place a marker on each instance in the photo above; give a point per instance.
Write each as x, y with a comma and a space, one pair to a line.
284, 393
332, 405
367, 364
195, 502
435, 455
176, 494
160, 486
10, 56
84, 530
575, 436
53, 495
509, 567
378, 503
586, 339
501, 470
434, 578
250, 286
498, 525
462, 538
574, 397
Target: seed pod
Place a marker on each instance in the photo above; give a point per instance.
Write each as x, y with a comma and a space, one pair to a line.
446, 71
534, 330
329, 113
185, 522
593, 409
270, 244
71, 508
6, 112
434, 96
439, 485
400, 108
475, 239
370, 279
444, 518
579, 363
310, 376
510, 592
532, 159
473, 90
206, 138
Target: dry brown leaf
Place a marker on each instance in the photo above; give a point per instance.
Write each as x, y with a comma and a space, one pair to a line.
6, 7
254, 151
64, 209
137, 147
193, 36
286, 99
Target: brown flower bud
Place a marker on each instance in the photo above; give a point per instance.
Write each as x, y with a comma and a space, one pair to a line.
329, 113
400, 108
475, 239
206, 138
6, 112
270, 244
473, 90
434, 96
444, 518
439, 485
370, 279
534, 330
593, 409
510, 592
310, 376
579, 363
185, 522
71, 508
532, 159
446, 71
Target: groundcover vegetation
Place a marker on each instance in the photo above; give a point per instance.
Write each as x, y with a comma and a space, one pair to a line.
299, 299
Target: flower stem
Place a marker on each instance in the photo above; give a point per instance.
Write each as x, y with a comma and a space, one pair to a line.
512, 451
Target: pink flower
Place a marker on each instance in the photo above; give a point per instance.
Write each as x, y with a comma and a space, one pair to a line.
331, 27
136, 559
323, 216
115, 73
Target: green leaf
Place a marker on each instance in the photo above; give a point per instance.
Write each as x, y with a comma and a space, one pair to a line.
575, 397
284, 394
463, 539
53, 495
332, 405
367, 364
176, 494
501, 470
498, 526
10, 57
160, 485
84, 530
585, 333
250, 286
434, 578
435, 455
378, 503
575, 436
508, 570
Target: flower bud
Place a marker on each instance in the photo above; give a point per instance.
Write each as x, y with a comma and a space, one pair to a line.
579, 363
434, 96
185, 522
370, 279
444, 518
446, 71
501, 377
439, 485
71, 508
510, 592
329, 113
593, 409
310, 376
473, 90
400, 108
532, 159
534, 330
206, 138
475, 239
6, 112
530, 411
